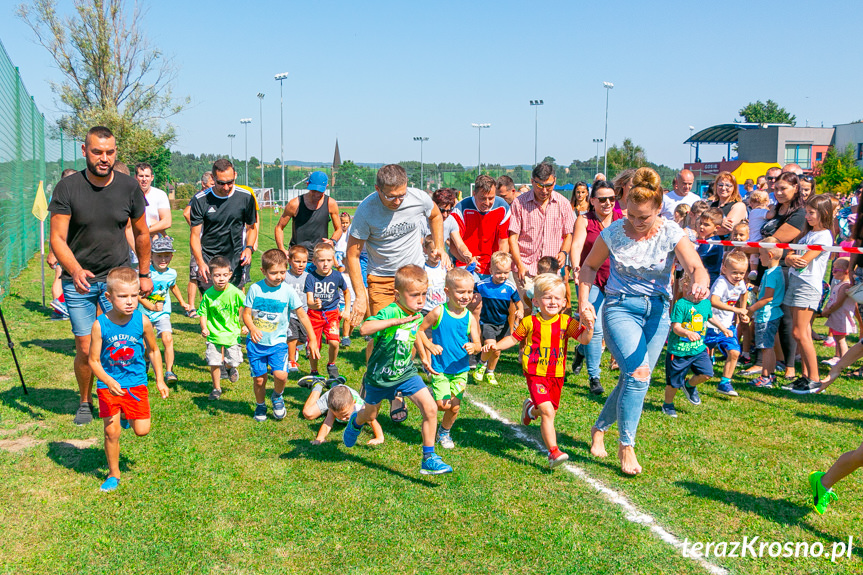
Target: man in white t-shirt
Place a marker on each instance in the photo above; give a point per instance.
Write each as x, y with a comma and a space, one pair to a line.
682, 194
158, 206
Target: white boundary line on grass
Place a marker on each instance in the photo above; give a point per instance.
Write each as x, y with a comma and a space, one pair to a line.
631, 512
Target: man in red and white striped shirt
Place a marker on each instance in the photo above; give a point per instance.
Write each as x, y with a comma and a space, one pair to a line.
540, 224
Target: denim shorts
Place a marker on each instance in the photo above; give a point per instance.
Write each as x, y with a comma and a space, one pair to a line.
82, 307
765, 333
374, 395
800, 294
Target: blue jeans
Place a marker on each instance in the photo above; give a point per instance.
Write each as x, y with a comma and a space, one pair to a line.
593, 350
635, 331
82, 307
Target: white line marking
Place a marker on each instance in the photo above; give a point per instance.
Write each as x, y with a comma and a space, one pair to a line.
631, 512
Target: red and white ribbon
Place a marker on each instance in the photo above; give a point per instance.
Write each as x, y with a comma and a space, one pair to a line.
816, 248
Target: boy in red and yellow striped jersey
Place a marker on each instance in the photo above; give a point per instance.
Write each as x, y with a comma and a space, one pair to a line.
543, 357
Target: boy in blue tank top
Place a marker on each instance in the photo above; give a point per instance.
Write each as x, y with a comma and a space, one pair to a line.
117, 360
455, 335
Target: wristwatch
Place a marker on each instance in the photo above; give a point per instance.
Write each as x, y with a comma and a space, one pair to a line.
146, 275
250, 248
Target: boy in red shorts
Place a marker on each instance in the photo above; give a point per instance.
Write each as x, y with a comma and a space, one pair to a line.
117, 348
322, 292
543, 357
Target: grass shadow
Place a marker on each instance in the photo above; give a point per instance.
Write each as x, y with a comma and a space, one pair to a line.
64, 346
830, 418
330, 452
60, 401
224, 405
87, 461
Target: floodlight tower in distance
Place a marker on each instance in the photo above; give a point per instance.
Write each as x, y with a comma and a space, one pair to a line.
608, 88
536, 104
280, 78
479, 128
246, 122
261, 100
421, 139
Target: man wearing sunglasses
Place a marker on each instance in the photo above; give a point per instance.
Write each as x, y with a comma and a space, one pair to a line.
771, 177
540, 224
219, 216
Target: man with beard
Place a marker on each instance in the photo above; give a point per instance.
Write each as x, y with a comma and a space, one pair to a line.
89, 211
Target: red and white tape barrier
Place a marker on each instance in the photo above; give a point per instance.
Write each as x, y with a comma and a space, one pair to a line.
817, 248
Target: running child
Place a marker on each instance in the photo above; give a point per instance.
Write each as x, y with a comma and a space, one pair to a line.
496, 294
767, 312
391, 369
298, 258
339, 403
219, 314
728, 299
686, 349
157, 306
454, 336
840, 309
322, 288
266, 314
821, 484
543, 356
118, 342
436, 273
803, 294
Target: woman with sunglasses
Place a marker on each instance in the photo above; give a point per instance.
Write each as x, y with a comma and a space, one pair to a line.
729, 201
584, 235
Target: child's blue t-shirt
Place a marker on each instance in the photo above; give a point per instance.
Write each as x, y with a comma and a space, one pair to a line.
162, 284
495, 300
270, 308
326, 288
711, 258
122, 354
772, 278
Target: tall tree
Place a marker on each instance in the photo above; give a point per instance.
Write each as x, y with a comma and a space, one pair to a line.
839, 173
768, 112
112, 76
627, 155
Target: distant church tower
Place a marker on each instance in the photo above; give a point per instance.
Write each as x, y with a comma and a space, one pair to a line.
337, 161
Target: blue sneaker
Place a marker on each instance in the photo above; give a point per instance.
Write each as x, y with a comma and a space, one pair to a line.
691, 394
279, 411
434, 465
110, 484
668, 409
725, 389
351, 433
124, 423
260, 413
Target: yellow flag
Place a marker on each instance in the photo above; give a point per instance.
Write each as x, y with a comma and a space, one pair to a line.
40, 204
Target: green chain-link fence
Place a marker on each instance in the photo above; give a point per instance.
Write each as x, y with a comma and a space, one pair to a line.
28, 155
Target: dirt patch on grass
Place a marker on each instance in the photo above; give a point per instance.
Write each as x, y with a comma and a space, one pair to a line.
20, 444
16, 429
78, 443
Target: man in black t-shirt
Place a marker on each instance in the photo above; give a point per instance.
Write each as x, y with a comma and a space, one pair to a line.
219, 216
312, 213
89, 212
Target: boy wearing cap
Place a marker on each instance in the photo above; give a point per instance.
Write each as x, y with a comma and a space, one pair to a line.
157, 305
311, 214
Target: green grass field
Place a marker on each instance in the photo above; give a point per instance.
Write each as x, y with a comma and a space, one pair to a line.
211, 491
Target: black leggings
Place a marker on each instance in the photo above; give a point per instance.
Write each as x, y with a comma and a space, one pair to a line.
786, 337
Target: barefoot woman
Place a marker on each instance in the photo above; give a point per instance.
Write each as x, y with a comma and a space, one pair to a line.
641, 248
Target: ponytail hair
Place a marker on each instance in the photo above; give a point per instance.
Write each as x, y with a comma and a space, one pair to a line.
646, 188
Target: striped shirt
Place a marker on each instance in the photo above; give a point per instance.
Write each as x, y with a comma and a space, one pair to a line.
540, 232
545, 352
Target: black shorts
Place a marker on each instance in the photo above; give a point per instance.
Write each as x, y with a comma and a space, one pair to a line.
494, 331
298, 332
677, 367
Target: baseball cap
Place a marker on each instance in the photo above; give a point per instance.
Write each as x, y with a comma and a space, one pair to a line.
318, 181
162, 245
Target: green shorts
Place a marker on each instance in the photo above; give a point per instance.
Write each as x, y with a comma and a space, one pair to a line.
446, 385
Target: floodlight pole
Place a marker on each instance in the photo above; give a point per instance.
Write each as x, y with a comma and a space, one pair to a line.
421, 139
479, 128
280, 78
231, 139
608, 87
536, 104
246, 122
691, 128
261, 100
597, 141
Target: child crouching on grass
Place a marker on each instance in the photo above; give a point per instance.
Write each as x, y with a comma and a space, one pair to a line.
339, 403
543, 357
117, 347
390, 369
454, 335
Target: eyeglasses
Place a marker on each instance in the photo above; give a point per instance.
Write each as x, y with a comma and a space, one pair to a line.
548, 186
393, 198
445, 210
771, 178
807, 178
225, 183
605, 199
724, 186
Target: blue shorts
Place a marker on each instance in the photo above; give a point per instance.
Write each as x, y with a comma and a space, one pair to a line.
765, 333
374, 395
677, 367
82, 307
263, 356
716, 339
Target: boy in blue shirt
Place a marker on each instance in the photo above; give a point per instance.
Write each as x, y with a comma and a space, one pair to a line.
117, 348
322, 292
496, 294
157, 305
454, 335
266, 313
768, 311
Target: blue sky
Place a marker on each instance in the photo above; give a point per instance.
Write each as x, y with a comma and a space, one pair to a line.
375, 74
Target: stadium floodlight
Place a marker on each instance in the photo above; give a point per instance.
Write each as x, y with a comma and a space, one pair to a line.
261, 100
691, 128
479, 128
597, 141
231, 139
246, 122
536, 104
280, 78
421, 139
608, 88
